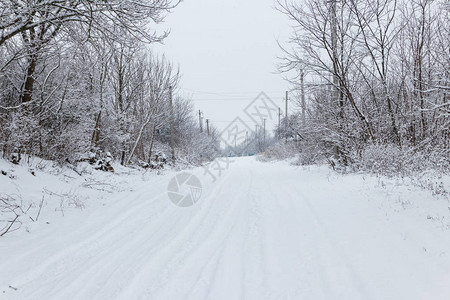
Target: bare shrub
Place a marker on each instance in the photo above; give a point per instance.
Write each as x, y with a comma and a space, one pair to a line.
392, 160
12, 210
279, 152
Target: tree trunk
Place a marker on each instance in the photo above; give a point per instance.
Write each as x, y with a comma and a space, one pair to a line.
96, 133
122, 160
141, 130
27, 91
151, 144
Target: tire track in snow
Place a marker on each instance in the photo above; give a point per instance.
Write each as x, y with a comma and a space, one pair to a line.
93, 251
328, 242
226, 228
253, 245
99, 243
282, 245
167, 265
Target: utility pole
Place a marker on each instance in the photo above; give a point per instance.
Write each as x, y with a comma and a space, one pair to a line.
172, 140
200, 120
279, 122
207, 125
334, 49
264, 124
302, 85
287, 120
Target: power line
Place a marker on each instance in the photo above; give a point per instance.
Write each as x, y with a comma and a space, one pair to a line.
229, 93
245, 121
233, 99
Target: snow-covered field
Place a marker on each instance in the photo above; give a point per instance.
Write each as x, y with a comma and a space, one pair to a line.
260, 231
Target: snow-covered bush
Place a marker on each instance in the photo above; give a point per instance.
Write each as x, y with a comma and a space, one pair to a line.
279, 151
99, 160
392, 160
309, 154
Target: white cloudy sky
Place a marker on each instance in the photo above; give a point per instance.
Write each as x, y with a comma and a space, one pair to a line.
227, 51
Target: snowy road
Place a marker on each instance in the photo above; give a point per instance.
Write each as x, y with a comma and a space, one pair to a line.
261, 231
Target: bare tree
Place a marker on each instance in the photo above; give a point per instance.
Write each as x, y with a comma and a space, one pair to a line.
46, 18
159, 75
377, 72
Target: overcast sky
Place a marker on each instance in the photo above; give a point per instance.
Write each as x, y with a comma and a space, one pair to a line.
227, 52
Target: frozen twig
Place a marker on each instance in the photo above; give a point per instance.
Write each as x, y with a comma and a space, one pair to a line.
40, 207
10, 225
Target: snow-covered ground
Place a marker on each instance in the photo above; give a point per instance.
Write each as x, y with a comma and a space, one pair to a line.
260, 231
